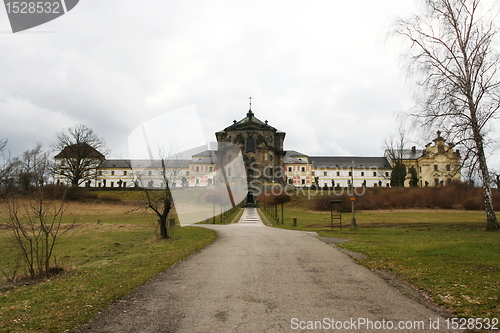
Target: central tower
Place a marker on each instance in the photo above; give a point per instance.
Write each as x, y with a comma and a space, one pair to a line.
261, 146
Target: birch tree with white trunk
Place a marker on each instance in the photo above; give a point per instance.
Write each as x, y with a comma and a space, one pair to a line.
453, 56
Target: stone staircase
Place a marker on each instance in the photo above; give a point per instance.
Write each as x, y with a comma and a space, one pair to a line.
250, 217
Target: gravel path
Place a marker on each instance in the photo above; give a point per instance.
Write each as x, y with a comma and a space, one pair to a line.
261, 279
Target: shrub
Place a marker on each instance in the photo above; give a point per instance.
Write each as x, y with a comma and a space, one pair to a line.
81, 194
473, 203
455, 196
323, 202
55, 191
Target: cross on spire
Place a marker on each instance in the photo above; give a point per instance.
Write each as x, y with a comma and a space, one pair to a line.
250, 113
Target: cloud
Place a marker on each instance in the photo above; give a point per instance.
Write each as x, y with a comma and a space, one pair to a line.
316, 71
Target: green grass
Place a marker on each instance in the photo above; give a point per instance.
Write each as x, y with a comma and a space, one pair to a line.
135, 219
190, 195
445, 253
103, 262
459, 265
311, 220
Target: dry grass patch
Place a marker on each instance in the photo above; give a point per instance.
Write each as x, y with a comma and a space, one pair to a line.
102, 263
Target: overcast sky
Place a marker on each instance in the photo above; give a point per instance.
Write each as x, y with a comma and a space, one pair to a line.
321, 71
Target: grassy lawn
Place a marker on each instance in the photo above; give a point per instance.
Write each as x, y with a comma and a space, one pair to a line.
115, 247
444, 253
103, 261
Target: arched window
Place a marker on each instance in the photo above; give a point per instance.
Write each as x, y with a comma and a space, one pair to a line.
250, 145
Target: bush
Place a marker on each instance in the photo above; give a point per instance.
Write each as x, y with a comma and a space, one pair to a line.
80, 194
55, 191
323, 202
455, 196
473, 204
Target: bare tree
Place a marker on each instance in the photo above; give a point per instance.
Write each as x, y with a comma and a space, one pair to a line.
80, 153
272, 199
36, 227
36, 222
32, 169
451, 48
158, 199
395, 154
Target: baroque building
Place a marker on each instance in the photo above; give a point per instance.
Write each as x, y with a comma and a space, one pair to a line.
438, 164
261, 146
266, 162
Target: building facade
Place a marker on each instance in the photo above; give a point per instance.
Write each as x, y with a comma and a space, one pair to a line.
261, 146
438, 164
336, 171
267, 163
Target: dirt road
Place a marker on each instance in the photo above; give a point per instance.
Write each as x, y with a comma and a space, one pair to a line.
259, 279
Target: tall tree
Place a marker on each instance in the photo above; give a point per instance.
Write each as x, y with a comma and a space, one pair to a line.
452, 54
32, 168
80, 153
398, 174
395, 154
413, 176
36, 221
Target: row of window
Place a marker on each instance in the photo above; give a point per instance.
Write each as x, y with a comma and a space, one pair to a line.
125, 173
362, 174
150, 173
203, 168
338, 173
436, 168
290, 169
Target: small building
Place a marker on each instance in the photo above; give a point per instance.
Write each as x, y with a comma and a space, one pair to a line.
203, 169
336, 171
124, 173
438, 164
345, 171
265, 162
298, 170
77, 164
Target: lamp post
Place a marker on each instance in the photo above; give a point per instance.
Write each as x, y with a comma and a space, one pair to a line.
353, 219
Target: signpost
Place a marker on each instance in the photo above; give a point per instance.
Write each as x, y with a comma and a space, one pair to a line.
353, 219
